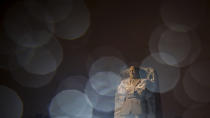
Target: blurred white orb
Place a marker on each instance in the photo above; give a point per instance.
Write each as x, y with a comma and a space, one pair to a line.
109, 63
72, 82
49, 10
11, 105
37, 61
99, 102
103, 51
181, 96
24, 30
41, 60
195, 90
76, 24
182, 15
71, 103
26, 79
168, 43
165, 42
154, 41
200, 72
105, 83
167, 76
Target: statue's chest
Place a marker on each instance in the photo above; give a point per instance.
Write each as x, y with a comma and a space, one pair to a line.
131, 86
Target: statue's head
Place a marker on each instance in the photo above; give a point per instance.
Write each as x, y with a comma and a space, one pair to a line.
134, 72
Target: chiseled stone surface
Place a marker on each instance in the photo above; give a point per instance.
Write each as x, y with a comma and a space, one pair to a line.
133, 99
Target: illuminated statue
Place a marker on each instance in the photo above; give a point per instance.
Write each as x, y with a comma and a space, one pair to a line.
133, 99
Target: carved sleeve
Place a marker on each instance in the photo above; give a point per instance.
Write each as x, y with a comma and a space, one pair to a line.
152, 83
120, 97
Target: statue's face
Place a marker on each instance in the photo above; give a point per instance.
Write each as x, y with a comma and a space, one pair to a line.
133, 72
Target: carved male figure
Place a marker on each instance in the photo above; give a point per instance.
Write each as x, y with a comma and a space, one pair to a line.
131, 100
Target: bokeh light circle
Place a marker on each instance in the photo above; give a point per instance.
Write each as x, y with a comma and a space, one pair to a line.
195, 50
56, 49
76, 24
99, 102
41, 60
181, 96
72, 82
24, 30
200, 72
50, 10
167, 76
11, 105
36, 61
195, 90
154, 41
106, 51
109, 63
105, 83
61, 116
27, 79
167, 58
6, 48
182, 15
103, 51
168, 43
71, 103
165, 41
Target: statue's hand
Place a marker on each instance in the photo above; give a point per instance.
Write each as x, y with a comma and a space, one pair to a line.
136, 93
139, 91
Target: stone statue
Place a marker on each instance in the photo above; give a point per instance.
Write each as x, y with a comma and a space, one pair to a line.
133, 99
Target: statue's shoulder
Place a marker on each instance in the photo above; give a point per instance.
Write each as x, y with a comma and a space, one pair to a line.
122, 87
148, 69
124, 82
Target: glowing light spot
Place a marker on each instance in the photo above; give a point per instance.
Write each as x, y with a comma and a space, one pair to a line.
28, 79
168, 76
167, 58
99, 102
49, 11
61, 117
24, 30
104, 51
36, 61
182, 15
104, 64
11, 104
194, 90
168, 43
76, 24
154, 41
181, 96
42, 60
72, 82
70, 103
200, 72
105, 83
165, 41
